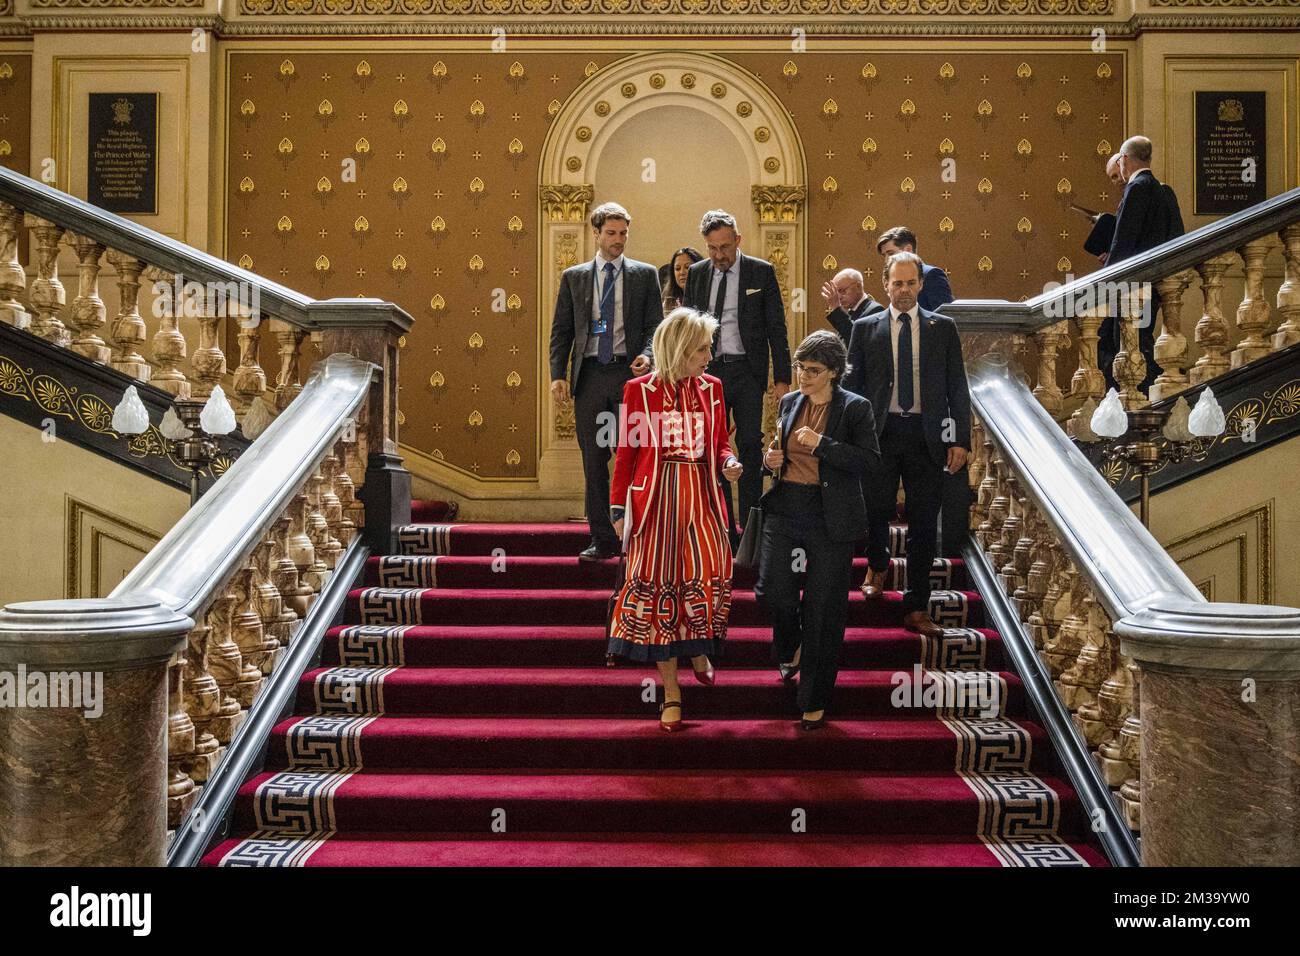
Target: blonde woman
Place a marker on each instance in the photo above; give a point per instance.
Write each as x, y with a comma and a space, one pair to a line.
668, 508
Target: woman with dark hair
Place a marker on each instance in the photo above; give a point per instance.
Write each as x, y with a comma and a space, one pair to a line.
674, 281
824, 446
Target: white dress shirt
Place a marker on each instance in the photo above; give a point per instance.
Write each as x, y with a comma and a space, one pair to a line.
597, 289
729, 342
895, 327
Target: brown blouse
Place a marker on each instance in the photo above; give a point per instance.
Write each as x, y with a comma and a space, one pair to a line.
801, 468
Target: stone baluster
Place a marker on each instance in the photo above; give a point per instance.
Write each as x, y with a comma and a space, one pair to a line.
1130, 365
1022, 559
1064, 643
1006, 567
226, 665
1171, 346
249, 379
246, 631
1094, 665
1040, 581
1088, 380
88, 311
1252, 313
297, 596
312, 571
1130, 752
128, 332
1288, 294
169, 348
288, 382
208, 363
203, 704
269, 607
1115, 707
1047, 391
180, 745
999, 508
1212, 331
345, 491
13, 277
327, 546
48, 296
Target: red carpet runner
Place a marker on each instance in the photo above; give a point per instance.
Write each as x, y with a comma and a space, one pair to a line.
463, 715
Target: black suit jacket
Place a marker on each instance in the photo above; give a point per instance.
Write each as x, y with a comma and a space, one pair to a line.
842, 321
1147, 216
944, 392
935, 290
759, 310
1103, 233
571, 326
848, 449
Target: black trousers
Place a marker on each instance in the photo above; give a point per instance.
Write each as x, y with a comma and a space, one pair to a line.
795, 536
1108, 343
600, 390
904, 454
744, 397
955, 522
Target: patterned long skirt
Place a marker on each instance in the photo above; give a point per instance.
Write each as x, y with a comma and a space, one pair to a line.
677, 596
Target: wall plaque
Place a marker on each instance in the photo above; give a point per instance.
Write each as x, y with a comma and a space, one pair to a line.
1230, 152
122, 145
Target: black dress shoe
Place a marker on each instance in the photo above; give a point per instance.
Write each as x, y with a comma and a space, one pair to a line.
817, 724
597, 553
787, 672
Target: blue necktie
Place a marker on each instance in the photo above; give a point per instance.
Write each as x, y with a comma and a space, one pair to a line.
905, 397
605, 348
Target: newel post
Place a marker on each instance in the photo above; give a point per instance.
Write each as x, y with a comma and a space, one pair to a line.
372, 329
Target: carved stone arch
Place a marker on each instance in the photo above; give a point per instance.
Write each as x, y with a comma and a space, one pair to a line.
773, 161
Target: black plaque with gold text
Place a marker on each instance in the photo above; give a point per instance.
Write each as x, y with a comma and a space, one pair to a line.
1230, 152
122, 166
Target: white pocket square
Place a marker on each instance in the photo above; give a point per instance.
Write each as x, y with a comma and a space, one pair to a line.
752, 291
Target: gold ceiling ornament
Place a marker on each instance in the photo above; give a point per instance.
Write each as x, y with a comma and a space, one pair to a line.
475, 419
475, 341
514, 380
907, 107
762, 134
744, 109
830, 264
985, 185
323, 185
514, 303
688, 81
718, 90
908, 185
947, 71
573, 164
1064, 265
1103, 148
1023, 71
439, 70
477, 108
437, 303
1103, 71
869, 224
284, 224
1024, 147
286, 146
476, 263
439, 145
322, 264
657, 81
946, 224
361, 224
476, 185
583, 134
789, 70
247, 108
869, 146
399, 263
512, 457
362, 146
1064, 108
772, 164
829, 185
601, 108
565, 203
286, 67
363, 68
778, 202
515, 224
399, 184
985, 264
590, 68
1024, 225
869, 71
985, 108
628, 90
553, 107
325, 108
438, 224
246, 261
437, 380
246, 184
830, 108
1064, 188
516, 70
946, 147
400, 108
516, 146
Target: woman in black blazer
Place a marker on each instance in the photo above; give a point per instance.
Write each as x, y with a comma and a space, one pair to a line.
674, 277
825, 444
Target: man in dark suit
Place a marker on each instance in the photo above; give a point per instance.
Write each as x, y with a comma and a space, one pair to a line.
908, 363
605, 318
1148, 215
1103, 223
743, 294
935, 290
846, 302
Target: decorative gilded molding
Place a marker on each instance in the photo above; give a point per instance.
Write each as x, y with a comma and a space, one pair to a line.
77, 514
101, 4
684, 8
778, 203
1261, 521
1222, 3
561, 203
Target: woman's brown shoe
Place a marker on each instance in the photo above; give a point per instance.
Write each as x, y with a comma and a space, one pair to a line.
874, 585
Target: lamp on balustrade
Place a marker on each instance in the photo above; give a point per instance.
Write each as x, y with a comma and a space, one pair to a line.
191, 428
1149, 438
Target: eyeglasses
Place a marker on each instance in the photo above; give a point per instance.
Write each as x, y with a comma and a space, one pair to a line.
809, 370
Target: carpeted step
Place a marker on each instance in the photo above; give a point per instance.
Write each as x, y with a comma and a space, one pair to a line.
661, 801
624, 849
572, 646
568, 572
445, 606
426, 510
636, 743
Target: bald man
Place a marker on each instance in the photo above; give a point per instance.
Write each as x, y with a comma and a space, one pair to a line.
1103, 223
847, 301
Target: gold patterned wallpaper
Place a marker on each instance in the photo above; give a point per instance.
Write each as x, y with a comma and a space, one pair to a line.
675, 8
442, 217
15, 111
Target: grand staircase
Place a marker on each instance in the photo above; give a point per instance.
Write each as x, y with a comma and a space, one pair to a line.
463, 715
